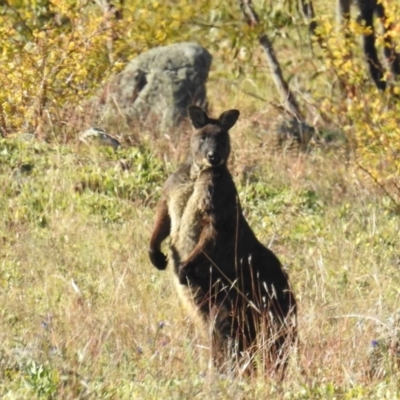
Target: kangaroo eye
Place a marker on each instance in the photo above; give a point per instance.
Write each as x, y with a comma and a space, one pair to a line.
203, 138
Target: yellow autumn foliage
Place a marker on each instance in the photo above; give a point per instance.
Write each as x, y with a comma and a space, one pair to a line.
55, 54
370, 118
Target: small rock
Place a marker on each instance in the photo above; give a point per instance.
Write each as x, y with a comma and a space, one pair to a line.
100, 136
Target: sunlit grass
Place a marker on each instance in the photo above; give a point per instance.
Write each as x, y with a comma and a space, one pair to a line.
85, 315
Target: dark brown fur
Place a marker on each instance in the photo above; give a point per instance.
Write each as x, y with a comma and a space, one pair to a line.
236, 283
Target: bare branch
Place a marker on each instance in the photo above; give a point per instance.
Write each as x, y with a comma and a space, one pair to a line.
287, 96
379, 184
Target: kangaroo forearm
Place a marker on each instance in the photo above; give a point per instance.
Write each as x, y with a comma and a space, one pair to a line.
161, 230
207, 235
160, 233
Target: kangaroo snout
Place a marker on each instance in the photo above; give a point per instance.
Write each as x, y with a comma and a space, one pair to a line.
214, 158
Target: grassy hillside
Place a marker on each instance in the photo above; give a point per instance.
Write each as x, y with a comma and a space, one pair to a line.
85, 315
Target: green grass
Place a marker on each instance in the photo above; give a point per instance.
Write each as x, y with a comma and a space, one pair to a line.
85, 315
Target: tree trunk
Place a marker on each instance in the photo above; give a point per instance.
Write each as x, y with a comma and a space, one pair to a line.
343, 12
308, 12
367, 8
111, 12
392, 57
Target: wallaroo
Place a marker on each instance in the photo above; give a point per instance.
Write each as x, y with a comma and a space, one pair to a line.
236, 284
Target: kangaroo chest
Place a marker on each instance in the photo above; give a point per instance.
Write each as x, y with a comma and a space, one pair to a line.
197, 205
178, 200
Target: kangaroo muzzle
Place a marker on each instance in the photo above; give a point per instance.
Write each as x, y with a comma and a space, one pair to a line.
214, 158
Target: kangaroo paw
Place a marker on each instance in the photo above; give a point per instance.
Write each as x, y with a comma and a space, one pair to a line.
158, 259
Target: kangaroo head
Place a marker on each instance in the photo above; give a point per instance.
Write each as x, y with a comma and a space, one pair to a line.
210, 145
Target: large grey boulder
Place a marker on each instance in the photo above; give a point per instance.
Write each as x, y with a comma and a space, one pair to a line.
156, 87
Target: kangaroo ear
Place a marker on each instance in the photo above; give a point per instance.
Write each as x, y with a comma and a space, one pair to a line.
198, 116
228, 118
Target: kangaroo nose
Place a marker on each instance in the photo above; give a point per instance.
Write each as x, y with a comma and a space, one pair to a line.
213, 157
